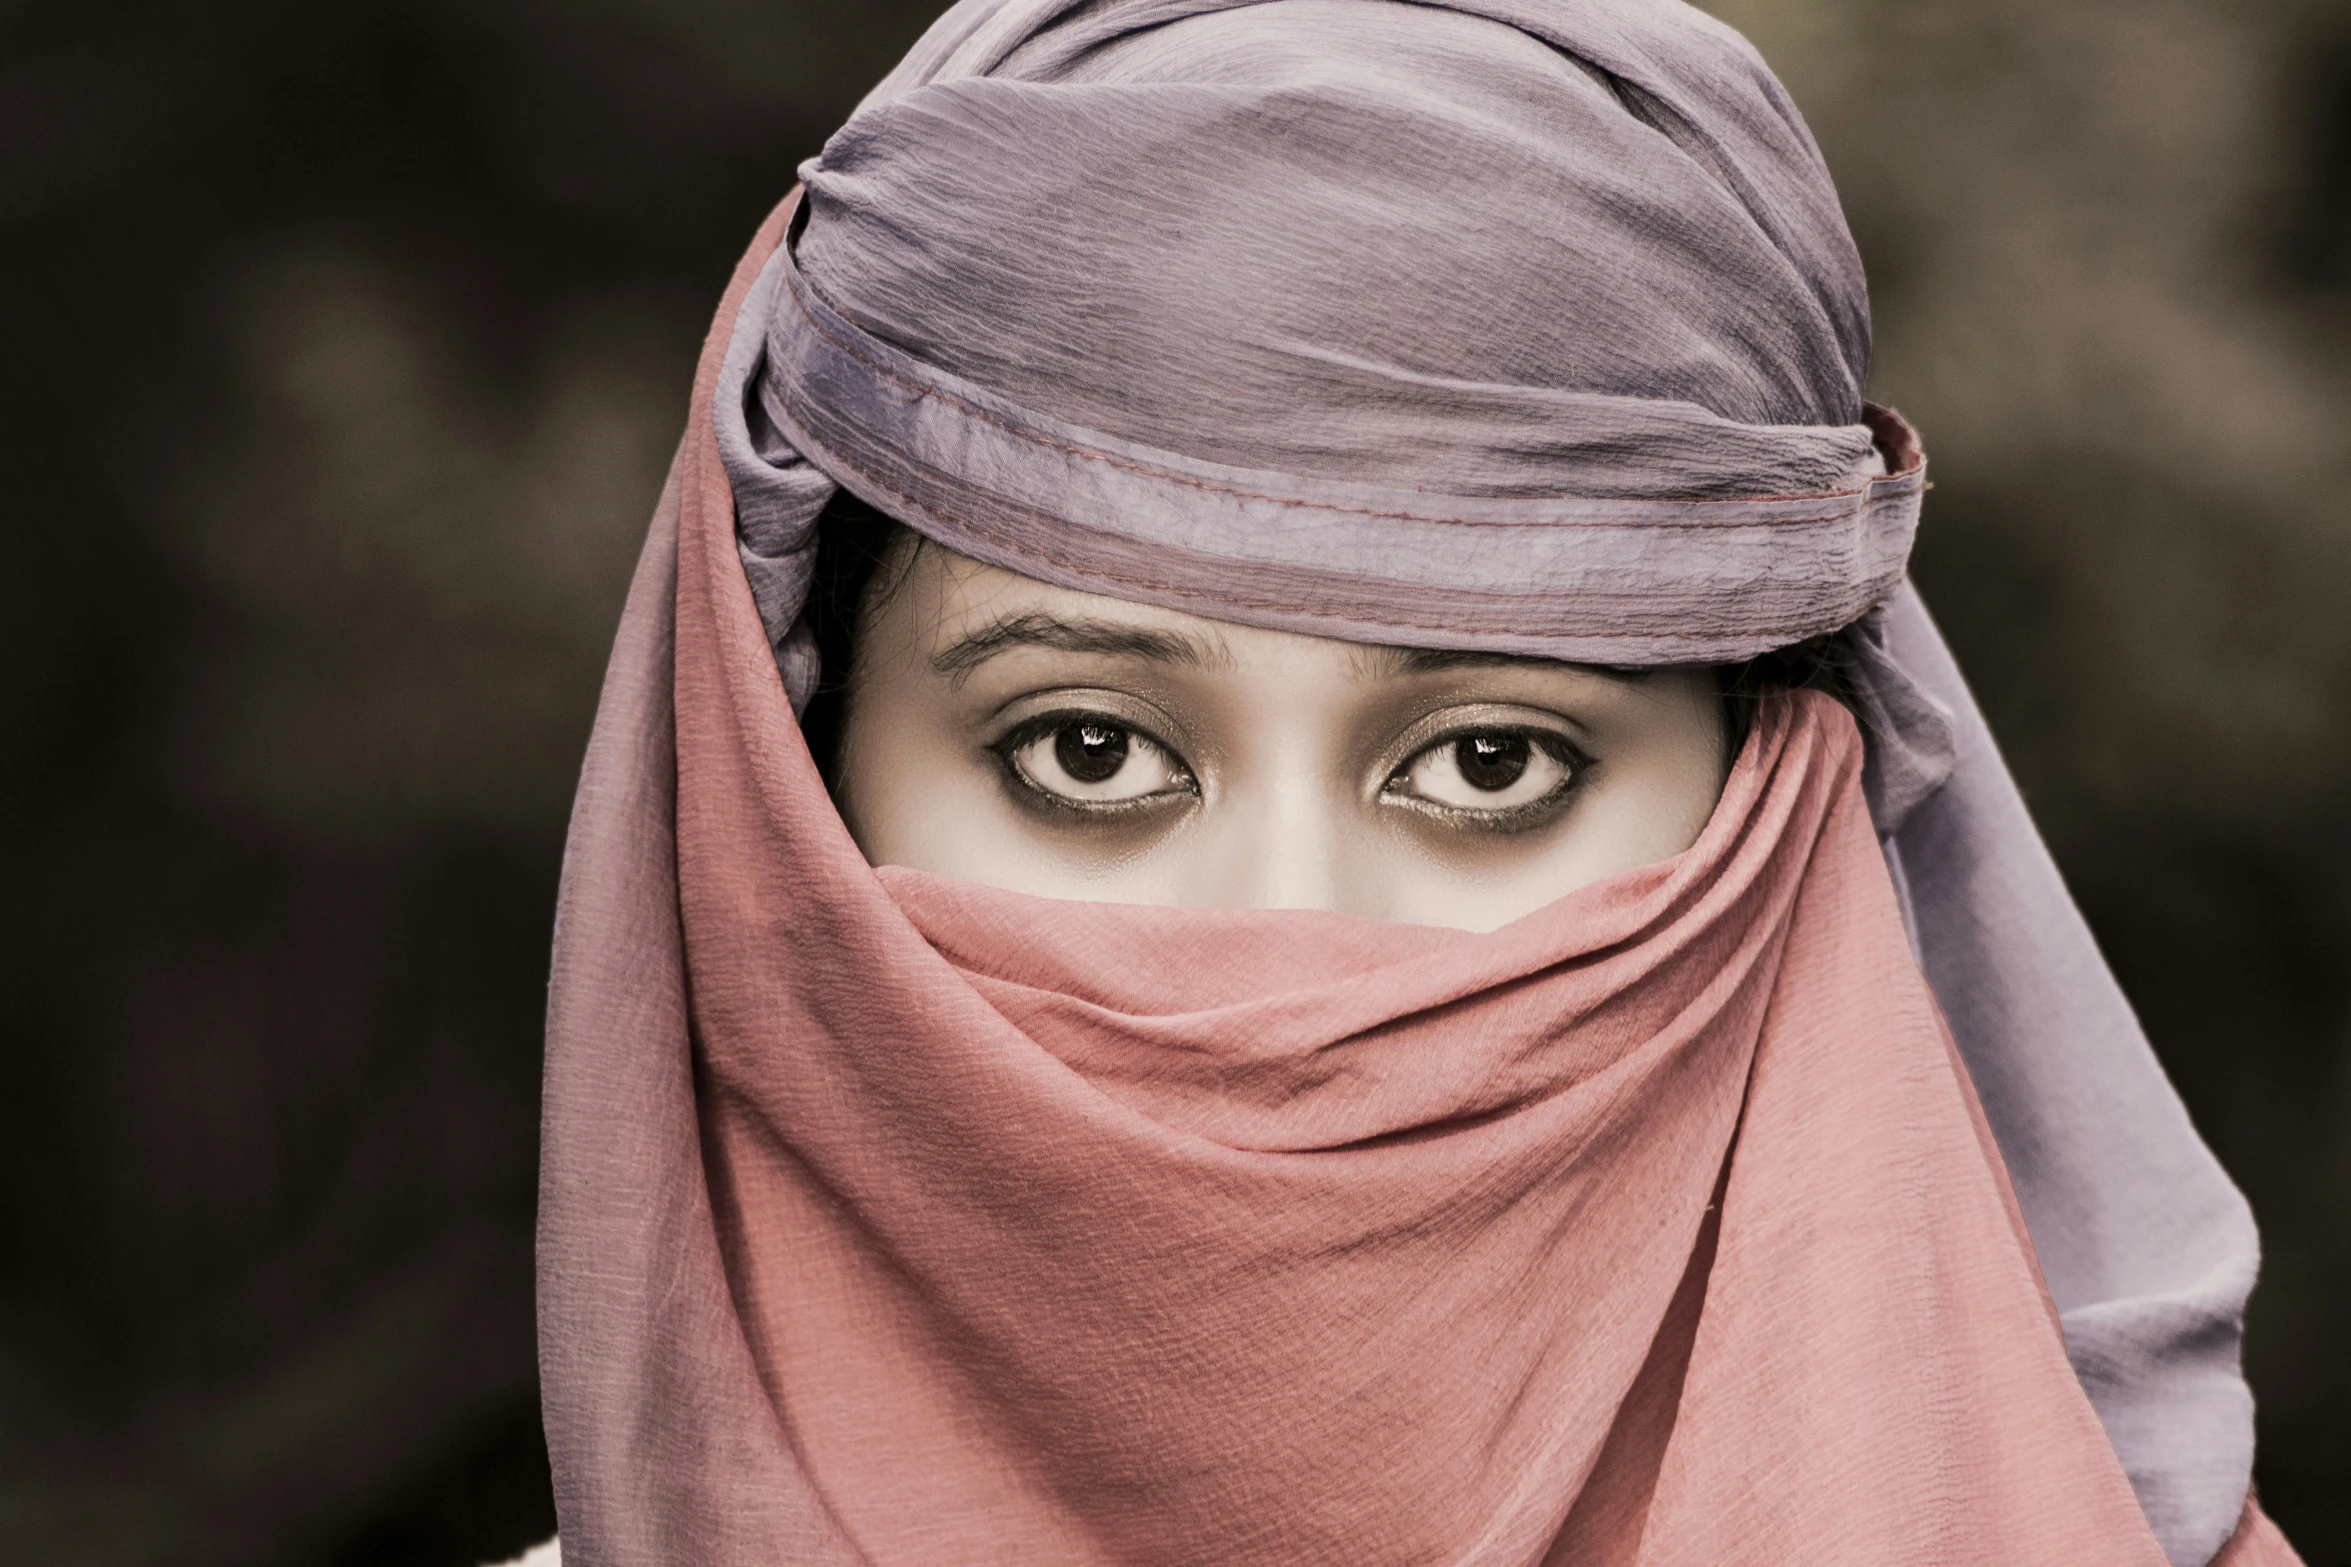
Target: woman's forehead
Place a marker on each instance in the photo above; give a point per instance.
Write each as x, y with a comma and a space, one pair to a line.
960, 613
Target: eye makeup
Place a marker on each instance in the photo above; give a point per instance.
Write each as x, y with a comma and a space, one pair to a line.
1089, 763
1490, 779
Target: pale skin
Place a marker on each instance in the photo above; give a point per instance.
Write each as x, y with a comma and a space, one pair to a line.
1004, 731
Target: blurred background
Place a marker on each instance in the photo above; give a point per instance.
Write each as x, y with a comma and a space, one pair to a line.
342, 349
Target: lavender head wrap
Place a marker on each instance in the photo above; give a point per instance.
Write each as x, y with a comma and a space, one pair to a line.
1514, 325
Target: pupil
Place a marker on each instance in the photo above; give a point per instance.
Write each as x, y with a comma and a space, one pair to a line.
1091, 753
1492, 762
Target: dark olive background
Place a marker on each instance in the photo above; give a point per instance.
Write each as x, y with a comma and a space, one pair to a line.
341, 350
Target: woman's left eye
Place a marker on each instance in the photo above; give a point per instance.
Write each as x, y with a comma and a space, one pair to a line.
1486, 771
1092, 760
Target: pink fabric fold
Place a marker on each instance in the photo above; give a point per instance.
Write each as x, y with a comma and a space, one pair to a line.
891, 1220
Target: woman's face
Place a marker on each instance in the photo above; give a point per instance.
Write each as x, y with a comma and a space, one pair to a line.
1023, 736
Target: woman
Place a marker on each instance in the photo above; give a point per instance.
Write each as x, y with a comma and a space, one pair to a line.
1341, 1006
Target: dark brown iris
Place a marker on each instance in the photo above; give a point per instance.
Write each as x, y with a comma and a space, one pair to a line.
1492, 762
1091, 753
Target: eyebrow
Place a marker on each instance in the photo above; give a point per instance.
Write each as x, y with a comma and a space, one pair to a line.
966, 654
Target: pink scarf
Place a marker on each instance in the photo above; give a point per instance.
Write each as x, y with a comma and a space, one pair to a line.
893, 1220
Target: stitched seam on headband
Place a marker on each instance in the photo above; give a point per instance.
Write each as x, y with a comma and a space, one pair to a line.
1152, 585
1146, 470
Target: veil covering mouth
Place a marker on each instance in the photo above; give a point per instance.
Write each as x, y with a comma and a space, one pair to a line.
887, 1219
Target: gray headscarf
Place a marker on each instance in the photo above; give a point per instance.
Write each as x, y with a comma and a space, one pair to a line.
1515, 325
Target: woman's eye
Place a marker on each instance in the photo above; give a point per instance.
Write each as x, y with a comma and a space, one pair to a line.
1486, 771
1094, 761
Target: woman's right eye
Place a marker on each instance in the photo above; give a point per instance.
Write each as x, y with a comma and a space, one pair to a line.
1092, 761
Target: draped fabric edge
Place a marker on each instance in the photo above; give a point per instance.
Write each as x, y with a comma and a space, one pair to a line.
626, 1228
2149, 1249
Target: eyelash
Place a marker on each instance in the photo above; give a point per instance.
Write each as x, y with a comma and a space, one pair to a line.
1525, 816
1031, 730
